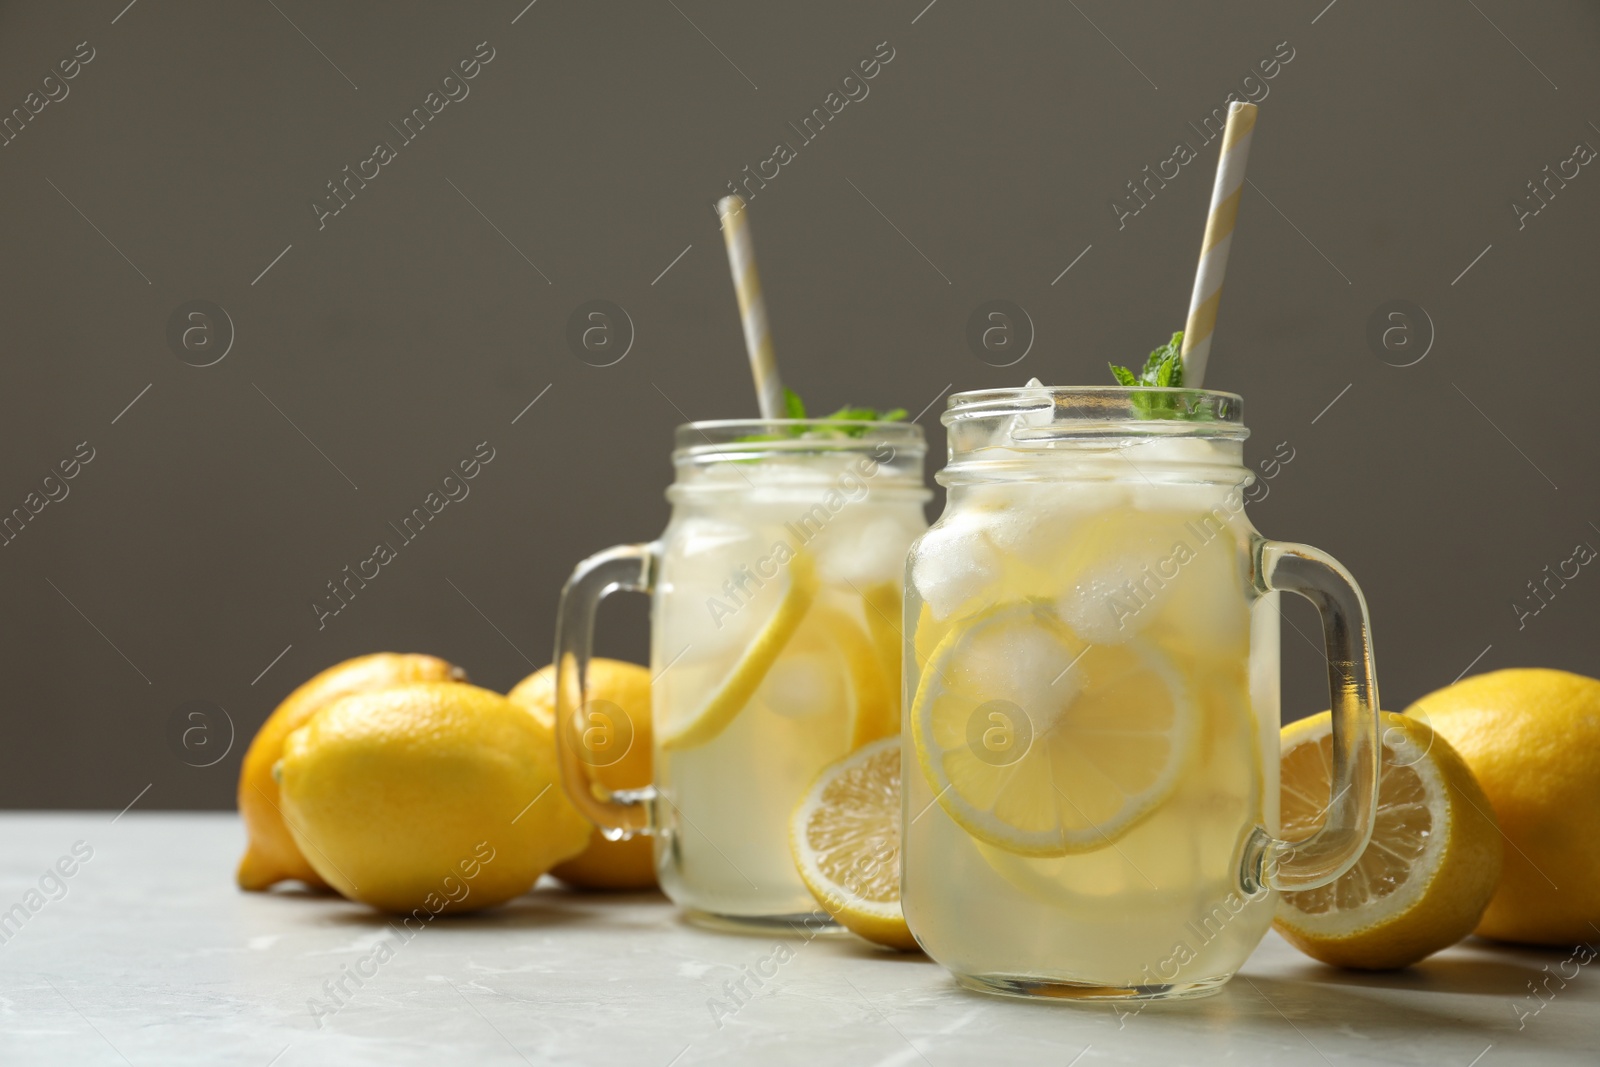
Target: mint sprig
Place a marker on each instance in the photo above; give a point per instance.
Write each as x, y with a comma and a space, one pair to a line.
795, 408
1163, 369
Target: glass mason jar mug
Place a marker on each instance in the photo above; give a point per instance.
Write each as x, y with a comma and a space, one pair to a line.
1091, 766
775, 649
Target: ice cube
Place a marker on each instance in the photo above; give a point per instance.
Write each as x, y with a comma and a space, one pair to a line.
1155, 489
1099, 611
956, 567
1023, 662
864, 552
1130, 565
718, 602
804, 682
1031, 523
1040, 416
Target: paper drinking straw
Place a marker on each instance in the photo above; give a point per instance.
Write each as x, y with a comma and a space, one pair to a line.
752, 306
1219, 238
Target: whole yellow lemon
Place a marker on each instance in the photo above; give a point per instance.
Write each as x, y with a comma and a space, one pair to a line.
619, 698
271, 856
1532, 738
427, 798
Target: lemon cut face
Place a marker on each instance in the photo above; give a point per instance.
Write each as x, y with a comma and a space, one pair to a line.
1040, 743
845, 839
1431, 866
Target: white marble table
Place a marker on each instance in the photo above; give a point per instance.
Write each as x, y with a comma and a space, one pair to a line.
152, 956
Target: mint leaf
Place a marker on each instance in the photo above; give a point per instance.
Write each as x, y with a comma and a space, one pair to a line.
1169, 373
849, 413
795, 408
1163, 369
1171, 352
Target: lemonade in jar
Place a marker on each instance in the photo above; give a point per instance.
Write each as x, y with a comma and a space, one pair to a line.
775, 647
1090, 795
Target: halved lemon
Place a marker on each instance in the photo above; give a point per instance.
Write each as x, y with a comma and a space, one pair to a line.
1430, 869
735, 692
1040, 743
845, 839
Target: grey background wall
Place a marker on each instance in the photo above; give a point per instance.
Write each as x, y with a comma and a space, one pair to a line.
373, 349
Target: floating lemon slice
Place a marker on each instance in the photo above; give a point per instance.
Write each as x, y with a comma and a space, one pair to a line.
881, 604
872, 714
830, 669
1042, 744
845, 839
741, 683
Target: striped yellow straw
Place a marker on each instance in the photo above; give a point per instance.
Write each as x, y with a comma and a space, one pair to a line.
752, 306
1219, 238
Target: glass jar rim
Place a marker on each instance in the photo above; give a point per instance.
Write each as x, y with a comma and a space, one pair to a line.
1108, 411
744, 439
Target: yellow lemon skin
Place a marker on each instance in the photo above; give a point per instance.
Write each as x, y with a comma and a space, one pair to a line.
1532, 737
1416, 920
435, 795
271, 856
605, 864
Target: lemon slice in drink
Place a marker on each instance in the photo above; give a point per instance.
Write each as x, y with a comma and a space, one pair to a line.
881, 605
845, 839
830, 668
1427, 874
873, 715
712, 717
1042, 744
1190, 845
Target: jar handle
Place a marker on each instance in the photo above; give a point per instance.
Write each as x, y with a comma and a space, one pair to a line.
1353, 696
621, 813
